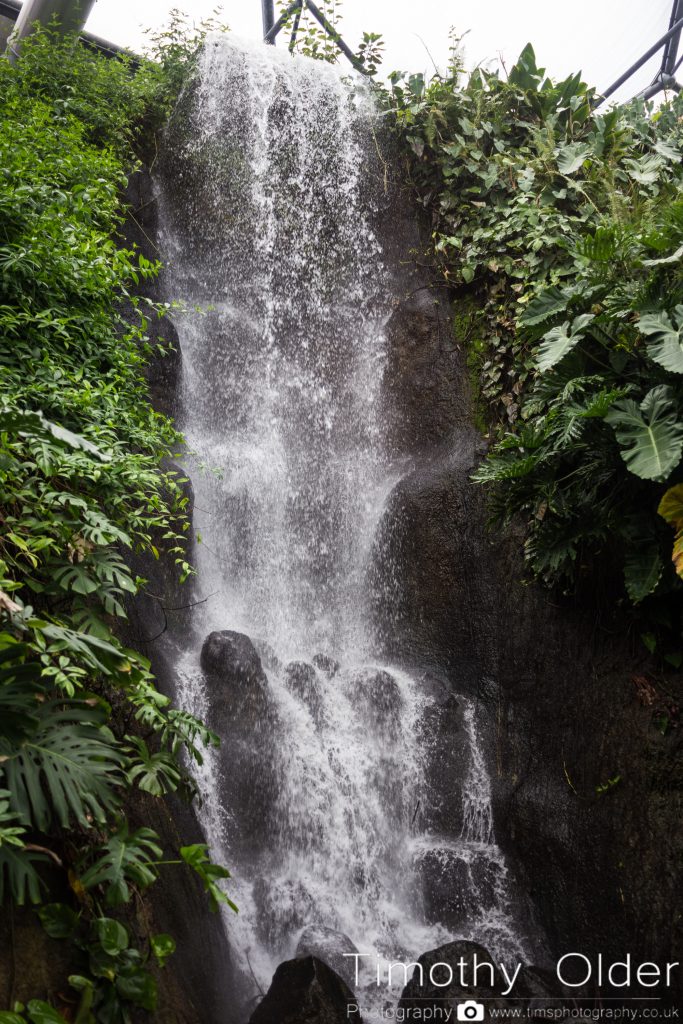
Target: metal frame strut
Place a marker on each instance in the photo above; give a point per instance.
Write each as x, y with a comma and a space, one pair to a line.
271, 29
666, 76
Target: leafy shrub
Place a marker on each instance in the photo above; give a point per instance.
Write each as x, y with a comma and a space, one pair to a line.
562, 229
80, 486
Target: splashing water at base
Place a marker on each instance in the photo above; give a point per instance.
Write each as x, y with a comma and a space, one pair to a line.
271, 196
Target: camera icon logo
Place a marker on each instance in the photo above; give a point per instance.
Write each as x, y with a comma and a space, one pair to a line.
470, 1011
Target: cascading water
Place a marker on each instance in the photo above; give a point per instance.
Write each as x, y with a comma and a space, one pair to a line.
269, 209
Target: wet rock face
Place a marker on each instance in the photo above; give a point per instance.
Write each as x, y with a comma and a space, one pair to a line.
282, 909
306, 991
433, 611
444, 739
326, 664
242, 714
457, 885
232, 657
557, 699
377, 694
330, 946
301, 679
140, 230
423, 379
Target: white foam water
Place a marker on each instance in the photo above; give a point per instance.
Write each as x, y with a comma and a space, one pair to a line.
269, 206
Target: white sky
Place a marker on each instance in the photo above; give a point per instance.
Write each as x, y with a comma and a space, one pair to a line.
600, 37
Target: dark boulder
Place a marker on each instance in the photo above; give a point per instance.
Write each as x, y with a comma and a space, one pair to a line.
301, 679
238, 685
243, 715
326, 664
306, 991
426, 990
330, 946
231, 656
376, 692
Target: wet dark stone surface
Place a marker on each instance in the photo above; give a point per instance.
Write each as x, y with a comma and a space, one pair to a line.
282, 909
302, 680
242, 713
330, 946
559, 713
454, 889
232, 657
443, 736
377, 695
425, 990
326, 664
306, 991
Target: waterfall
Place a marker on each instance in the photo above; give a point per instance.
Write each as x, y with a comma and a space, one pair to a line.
271, 198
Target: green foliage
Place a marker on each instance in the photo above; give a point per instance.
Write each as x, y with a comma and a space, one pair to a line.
650, 434
82, 489
126, 859
173, 51
197, 857
67, 771
313, 41
566, 226
666, 348
115, 975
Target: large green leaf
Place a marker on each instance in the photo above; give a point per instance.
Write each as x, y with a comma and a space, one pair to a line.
650, 434
197, 857
642, 570
19, 689
666, 347
646, 170
549, 303
155, 773
139, 987
572, 156
112, 935
34, 424
561, 340
68, 770
525, 73
18, 876
40, 1012
127, 857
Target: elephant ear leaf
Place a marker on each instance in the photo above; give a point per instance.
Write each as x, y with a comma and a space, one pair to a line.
642, 571
650, 434
571, 157
561, 340
666, 346
671, 509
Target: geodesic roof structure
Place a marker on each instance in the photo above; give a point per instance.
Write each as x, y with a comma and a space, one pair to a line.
667, 47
